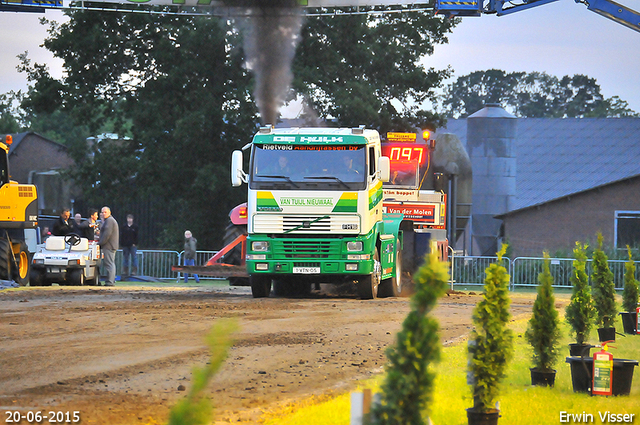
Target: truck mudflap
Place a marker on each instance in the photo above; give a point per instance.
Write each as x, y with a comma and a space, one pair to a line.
393, 223
396, 224
391, 243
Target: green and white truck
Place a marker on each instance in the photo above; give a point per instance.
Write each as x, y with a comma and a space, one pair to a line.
315, 212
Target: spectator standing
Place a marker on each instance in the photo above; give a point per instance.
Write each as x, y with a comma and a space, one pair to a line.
63, 226
77, 224
109, 242
89, 228
129, 245
190, 246
45, 233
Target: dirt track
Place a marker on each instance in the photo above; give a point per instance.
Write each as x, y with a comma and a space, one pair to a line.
124, 355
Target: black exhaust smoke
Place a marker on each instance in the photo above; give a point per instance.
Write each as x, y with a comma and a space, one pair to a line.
270, 30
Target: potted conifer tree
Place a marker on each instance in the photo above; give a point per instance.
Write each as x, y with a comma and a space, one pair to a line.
604, 293
543, 330
580, 311
630, 297
408, 386
490, 344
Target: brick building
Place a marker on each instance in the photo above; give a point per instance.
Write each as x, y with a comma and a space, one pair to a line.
574, 178
37, 160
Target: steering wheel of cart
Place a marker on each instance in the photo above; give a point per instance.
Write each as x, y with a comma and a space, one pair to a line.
72, 239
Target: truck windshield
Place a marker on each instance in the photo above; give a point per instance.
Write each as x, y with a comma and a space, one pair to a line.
308, 167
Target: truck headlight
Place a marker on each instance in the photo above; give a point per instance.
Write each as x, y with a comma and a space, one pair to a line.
354, 246
260, 246
74, 262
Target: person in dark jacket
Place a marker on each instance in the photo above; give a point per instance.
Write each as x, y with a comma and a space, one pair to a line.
89, 228
109, 242
77, 224
63, 226
129, 245
190, 246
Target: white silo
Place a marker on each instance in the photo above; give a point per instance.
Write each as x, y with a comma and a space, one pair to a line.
491, 134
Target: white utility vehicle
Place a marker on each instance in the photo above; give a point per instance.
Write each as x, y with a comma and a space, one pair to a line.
66, 260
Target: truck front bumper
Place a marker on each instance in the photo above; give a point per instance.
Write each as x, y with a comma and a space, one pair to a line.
310, 256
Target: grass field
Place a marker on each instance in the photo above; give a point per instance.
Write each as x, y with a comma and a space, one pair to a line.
520, 403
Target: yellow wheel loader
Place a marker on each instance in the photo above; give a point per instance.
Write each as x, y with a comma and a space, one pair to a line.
18, 211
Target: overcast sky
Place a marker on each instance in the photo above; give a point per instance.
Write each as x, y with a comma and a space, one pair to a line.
561, 38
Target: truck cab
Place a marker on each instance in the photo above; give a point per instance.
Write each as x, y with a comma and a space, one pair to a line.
315, 211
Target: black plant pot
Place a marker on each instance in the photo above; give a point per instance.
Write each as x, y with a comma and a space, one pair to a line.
543, 377
579, 350
607, 334
629, 322
582, 368
483, 418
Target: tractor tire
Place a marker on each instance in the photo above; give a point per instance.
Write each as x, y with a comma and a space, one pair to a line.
36, 277
234, 257
5, 260
368, 285
76, 277
392, 287
21, 273
260, 286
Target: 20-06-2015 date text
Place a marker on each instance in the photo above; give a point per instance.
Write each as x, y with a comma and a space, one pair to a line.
42, 417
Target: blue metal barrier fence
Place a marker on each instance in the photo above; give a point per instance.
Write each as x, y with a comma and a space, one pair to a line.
524, 271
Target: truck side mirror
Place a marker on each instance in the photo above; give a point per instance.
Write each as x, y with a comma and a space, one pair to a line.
237, 175
384, 168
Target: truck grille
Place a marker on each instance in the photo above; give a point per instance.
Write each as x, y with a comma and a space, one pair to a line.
306, 249
306, 224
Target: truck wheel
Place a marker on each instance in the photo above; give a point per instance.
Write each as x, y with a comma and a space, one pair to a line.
36, 277
234, 257
260, 286
76, 277
368, 285
392, 287
5, 260
21, 274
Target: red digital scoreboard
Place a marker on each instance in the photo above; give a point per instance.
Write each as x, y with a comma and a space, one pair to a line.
406, 152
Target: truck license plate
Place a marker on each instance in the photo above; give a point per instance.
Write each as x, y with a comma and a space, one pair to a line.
306, 270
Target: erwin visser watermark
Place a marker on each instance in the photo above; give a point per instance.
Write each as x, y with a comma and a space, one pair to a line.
605, 417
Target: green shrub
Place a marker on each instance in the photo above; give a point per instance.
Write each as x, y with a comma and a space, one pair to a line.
195, 408
408, 385
604, 290
580, 311
543, 330
630, 292
491, 342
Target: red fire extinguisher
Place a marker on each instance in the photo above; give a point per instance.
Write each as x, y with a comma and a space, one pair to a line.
602, 383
